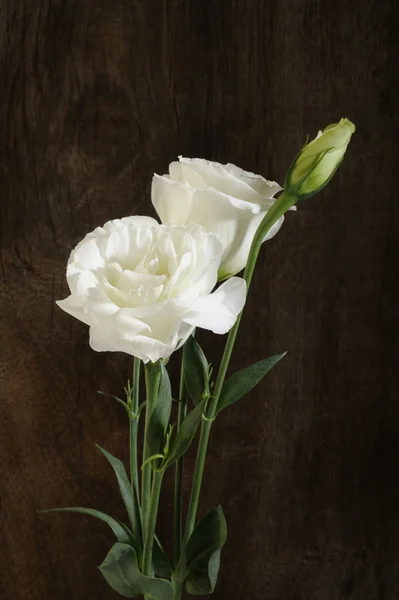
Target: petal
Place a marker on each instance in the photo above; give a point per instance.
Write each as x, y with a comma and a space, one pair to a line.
267, 189
218, 311
133, 220
189, 175
74, 307
237, 258
204, 251
128, 244
141, 346
228, 179
95, 304
175, 171
274, 229
142, 338
172, 200
88, 255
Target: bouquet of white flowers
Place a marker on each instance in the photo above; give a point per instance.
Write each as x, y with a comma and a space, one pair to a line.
143, 288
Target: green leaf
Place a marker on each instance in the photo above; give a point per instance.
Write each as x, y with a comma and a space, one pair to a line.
125, 487
202, 578
122, 533
185, 435
121, 571
160, 560
202, 553
119, 400
242, 382
160, 415
196, 371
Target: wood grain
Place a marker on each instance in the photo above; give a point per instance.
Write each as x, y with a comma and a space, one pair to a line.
95, 97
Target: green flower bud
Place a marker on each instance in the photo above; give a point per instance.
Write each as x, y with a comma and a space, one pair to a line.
318, 160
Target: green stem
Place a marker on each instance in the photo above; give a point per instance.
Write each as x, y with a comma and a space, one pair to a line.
282, 204
179, 470
177, 588
134, 476
152, 379
150, 523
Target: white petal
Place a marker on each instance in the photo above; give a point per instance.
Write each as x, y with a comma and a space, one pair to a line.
129, 244
225, 179
237, 258
145, 348
267, 189
175, 171
218, 311
275, 229
133, 220
148, 339
191, 176
88, 308
172, 200
89, 255
74, 307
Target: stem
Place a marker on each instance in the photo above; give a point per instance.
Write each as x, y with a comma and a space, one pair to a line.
152, 379
283, 203
177, 588
179, 470
150, 523
197, 479
134, 477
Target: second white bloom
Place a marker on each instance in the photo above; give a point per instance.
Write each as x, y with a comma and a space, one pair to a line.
143, 287
223, 198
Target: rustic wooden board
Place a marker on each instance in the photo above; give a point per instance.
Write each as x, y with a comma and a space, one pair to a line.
95, 97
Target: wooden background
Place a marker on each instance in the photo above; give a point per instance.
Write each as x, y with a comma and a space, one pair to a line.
96, 95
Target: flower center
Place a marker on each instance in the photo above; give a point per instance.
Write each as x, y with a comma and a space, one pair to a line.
157, 276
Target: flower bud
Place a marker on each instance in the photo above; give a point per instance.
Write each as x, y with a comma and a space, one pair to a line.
318, 160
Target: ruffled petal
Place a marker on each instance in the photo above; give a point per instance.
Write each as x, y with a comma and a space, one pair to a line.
217, 311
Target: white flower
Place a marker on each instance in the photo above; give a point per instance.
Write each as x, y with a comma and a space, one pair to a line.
143, 287
223, 198
319, 159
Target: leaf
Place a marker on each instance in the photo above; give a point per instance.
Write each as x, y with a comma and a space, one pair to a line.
121, 571
122, 533
125, 487
202, 553
160, 415
203, 576
242, 382
196, 370
160, 560
185, 435
119, 400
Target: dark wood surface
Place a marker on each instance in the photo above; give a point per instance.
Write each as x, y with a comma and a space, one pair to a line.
95, 97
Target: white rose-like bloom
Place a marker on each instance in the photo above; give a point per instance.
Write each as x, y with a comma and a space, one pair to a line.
224, 199
143, 287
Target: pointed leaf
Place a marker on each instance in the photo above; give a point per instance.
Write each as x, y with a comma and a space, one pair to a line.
160, 415
119, 400
185, 435
202, 553
196, 370
125, 487
160, 560
121, 571
242, 382
122, 533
